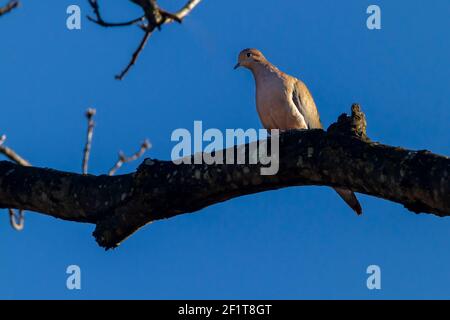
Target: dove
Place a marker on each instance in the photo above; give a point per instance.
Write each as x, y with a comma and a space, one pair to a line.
284, 102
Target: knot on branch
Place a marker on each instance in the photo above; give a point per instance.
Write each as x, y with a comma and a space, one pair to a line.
353, 125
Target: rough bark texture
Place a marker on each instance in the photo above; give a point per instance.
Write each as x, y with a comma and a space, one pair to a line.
343, 156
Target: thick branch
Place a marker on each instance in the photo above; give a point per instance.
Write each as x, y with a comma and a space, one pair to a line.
419, 180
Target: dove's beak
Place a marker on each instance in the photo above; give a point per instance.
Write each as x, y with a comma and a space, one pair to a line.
237, 65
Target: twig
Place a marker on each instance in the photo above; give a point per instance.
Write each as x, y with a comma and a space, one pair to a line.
154, 17
99, 20
90, 113
135, 55
183, 12
124, 159
9, 7
115, 24
17, 221
11, 154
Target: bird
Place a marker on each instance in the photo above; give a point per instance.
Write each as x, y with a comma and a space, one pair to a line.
284, 102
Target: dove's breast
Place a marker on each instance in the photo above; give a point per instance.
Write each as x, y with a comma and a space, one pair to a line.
274, 105
269, 98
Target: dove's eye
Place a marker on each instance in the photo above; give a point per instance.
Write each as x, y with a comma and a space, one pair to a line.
249, 55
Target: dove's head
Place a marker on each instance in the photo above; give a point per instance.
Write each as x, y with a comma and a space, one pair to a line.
249, 58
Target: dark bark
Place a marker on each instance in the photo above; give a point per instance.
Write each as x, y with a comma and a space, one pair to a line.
343, 156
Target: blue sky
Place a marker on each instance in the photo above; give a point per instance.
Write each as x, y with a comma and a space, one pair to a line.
292, 243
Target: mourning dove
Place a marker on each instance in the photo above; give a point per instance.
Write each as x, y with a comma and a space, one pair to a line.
284, 102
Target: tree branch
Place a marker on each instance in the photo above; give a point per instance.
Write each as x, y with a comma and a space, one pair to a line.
135, 55
11, 154
188, 7
154, 17
99, 20
90, 113
342, 156
17, 221
9, 7
124, 159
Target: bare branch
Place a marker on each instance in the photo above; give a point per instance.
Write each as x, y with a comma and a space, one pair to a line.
90, 113
16, 221
116, 24
99, 20
188, 7
340, 157
124, 159
135, 55
11, 154
9, 7
154, 17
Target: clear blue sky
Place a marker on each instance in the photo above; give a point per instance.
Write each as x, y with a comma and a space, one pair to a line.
292, 243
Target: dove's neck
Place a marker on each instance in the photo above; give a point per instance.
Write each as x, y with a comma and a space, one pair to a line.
264, 71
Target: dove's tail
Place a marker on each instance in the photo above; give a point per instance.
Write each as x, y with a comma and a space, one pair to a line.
350, 198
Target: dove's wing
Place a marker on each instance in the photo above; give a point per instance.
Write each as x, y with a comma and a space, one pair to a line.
304, 102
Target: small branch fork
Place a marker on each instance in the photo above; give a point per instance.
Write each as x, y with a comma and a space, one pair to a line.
90, 113
124, 159
17, 221
11, 5
153, 18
